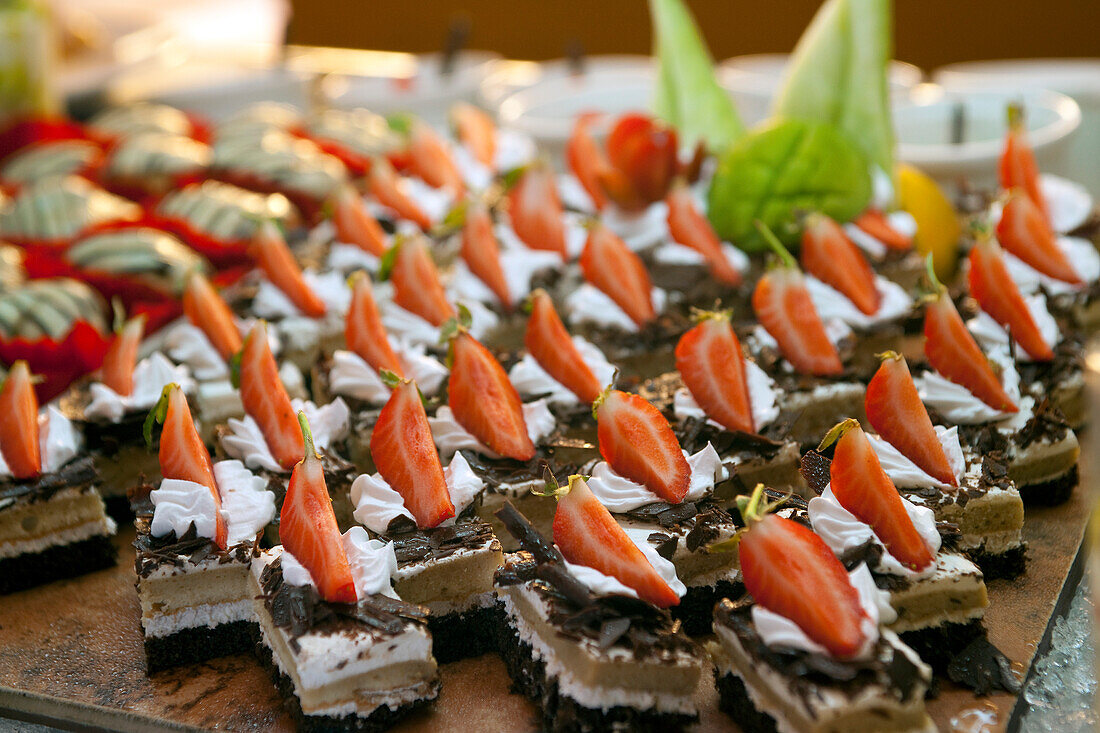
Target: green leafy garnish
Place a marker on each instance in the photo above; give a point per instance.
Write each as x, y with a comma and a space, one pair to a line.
389, 258
157, 414
784, 168
838, 74
688, 95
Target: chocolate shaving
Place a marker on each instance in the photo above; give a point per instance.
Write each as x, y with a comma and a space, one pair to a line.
810, 670
189, 549
79, 472
814, 468
438, 542
1046, 423
983, 668
607, 621
665, 544
300, 609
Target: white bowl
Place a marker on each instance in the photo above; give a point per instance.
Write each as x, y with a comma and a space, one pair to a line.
387, 82
754, 79
924, 128
511, 76
547, 109
1079, 78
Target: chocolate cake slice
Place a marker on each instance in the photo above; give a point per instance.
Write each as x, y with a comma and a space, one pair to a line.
590, 661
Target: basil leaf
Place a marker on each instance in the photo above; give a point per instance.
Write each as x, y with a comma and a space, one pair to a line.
838, 74
776, 172
688, 95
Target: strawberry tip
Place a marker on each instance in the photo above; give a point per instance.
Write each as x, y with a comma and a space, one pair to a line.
157, 414
307, 436
837, 432
699, 315
785, 257
753, 508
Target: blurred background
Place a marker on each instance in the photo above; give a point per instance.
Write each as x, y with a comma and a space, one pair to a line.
930, 33
536, 64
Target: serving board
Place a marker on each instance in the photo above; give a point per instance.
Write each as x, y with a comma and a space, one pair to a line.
71, 655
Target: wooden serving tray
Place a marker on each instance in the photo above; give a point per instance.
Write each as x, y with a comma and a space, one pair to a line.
71, 655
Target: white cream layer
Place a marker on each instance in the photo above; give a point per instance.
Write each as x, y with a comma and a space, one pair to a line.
151, 375
763, 399
245, 441
58, 441
377, 504
620, 494
450, 436
779, 631
843, 531
351, 376
531, 380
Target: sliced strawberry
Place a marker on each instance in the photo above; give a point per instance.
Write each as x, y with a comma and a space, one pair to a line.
476, 130
588, 535
784, 307
586, 159
363, 329
1018, 169
481, 253
416, 284
277, 261
638, 443
643, 153
404, 453
875, 223
863, 488
954, 353
895, 411
431, 160
832, 258
183, 455
484, 401
19, 428
355, 225
535, 210
206, 309
265, 398
619, 273
1024, 232
790, 571
117, 371
999, 296
308, 529
549, 343
691, 229
712, 366
385, 185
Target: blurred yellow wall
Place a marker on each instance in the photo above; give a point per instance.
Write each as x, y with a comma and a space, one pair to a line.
929, 32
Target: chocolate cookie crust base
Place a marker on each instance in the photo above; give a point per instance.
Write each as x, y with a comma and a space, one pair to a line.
55, 563
198, 644
734, 701
469, 633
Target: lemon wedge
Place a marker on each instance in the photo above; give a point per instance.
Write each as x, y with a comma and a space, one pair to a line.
938, 225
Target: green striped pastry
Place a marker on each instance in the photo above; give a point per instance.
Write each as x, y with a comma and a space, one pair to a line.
223, 211
57, 208
151, 256
48, 160
49, 308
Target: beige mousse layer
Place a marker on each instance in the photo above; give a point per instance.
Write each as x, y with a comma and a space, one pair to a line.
452, 579
955, 593
70, 515
602, 678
